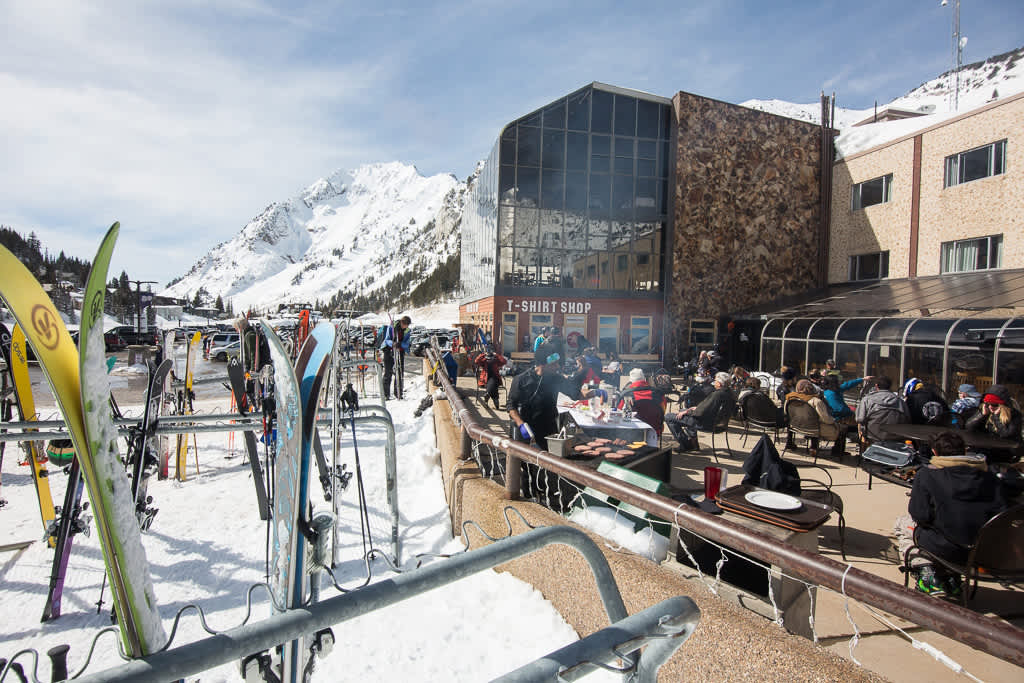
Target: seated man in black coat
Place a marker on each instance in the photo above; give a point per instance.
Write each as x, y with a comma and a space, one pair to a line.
951, 500
684, 424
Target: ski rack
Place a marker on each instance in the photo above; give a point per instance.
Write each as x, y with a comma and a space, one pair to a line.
638, 645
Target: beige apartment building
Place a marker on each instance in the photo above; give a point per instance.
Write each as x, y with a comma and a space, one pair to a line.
948, 198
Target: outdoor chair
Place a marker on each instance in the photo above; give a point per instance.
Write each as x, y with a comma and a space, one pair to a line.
720, 425
760, 413
821, 492
650, 411
802, 419
997, 554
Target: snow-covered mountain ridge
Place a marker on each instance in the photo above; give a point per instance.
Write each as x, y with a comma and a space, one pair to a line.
981, 82
353, 231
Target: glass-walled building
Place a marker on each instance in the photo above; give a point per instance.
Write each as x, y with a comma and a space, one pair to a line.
568, 224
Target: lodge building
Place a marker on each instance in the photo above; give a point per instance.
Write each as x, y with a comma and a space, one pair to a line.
654, 227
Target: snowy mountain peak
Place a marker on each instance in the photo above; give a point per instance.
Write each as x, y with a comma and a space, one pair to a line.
353, 231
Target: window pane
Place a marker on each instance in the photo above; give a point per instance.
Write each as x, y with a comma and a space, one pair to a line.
576, 152
554, 116
622, 197
871, 192
975, 164
601, 144
646, 198
647, 119
575, 231
647, 149
575, 191
506, 183
579, 111
527, 227
645, 167
998, 163
600, 192
601, 112
552, 189
529, 146
554, 149
508, 148
624, 165
506, 221
625, 115
527, 186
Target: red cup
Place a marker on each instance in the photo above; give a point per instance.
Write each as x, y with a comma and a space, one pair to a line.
714, 480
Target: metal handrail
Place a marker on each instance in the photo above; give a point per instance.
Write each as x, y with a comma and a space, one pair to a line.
987, 634
679, 615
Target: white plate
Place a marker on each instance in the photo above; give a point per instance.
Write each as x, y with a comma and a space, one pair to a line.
773, 500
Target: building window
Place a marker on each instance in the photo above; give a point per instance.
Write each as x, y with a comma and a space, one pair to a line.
608, 333
702, 335
640, 334
981, 253
871, 192
869, 266
510, 332
980, 162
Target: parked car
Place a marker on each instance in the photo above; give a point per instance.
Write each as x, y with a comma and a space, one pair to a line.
121, 337
224, 352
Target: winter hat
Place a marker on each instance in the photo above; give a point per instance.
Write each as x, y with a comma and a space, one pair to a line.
545, 355
911, 385
805, 386
636, 374
970, 390
998, 394
788, 373
723, 377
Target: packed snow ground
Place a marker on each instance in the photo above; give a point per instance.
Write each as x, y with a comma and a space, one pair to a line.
207, 546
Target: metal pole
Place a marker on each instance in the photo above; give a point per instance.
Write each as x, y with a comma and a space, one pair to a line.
193, 658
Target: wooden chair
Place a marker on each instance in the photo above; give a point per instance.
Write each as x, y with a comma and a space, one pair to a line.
997, 554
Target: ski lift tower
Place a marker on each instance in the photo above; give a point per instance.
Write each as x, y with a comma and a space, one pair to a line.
957, 44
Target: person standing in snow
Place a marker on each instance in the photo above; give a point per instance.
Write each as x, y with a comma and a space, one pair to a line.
394, 342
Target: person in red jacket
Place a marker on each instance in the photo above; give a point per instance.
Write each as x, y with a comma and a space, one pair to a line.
489, 367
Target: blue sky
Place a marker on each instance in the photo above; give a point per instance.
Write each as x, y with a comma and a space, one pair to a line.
184, 119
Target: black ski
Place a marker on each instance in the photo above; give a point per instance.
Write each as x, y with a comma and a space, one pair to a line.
237, 376
140, 456
69, 522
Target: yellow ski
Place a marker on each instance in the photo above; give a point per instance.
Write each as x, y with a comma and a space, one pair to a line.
27, 406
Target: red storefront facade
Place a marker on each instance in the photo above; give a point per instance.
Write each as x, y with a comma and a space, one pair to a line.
631, 328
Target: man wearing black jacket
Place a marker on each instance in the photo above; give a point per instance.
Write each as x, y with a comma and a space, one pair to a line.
684, 424
951, 500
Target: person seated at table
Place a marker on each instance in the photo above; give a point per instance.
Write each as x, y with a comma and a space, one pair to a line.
584, 374
950, 501
999, 415
739, 378
881, 406
685, 423
827, 427
968, 403
925, 404
832, 370
788, 383
638, 389
751, 385
843, 415
701, 389
489, 365
612, 370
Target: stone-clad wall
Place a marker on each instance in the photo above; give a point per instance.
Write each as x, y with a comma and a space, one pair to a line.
747, 210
